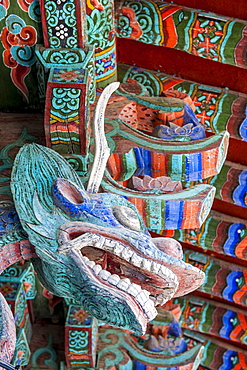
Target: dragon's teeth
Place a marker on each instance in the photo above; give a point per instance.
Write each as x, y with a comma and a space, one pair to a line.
167, 273
118, 249
99, 243
150, 311
146, 292
91, 263
164, 271
104, 274
137, 287
113, 279
155, 267
109, 245
134, 289
136, 260
127, 254
146, 264
123, 284
97, 269
142, 297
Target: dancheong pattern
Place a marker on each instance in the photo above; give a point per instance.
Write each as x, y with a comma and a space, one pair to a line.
61, 23
202, 34
217, 109
19, 32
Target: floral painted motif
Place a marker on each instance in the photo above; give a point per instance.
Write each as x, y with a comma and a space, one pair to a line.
68, 75
207, 35
6, 289
80, 316
18, 40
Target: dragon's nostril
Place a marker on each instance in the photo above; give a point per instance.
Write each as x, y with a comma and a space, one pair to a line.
69, 197
70, 192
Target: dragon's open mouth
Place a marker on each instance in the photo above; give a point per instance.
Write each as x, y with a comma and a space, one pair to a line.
118, 265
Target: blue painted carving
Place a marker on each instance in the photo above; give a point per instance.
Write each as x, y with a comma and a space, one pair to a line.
191, 129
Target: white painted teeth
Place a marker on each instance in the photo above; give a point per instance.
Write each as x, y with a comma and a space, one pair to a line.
104, 274
146, 264
134, 289
142, 296
114, 279
127, 254
123, 284
136, 260
97, 269
91, 264
150, 311
109, 245
118, 249
155, 268
99, 243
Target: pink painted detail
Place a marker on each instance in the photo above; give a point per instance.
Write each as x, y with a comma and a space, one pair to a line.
14, 252
164, 184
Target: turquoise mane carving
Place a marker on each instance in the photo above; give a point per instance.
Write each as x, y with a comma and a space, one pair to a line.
95, 248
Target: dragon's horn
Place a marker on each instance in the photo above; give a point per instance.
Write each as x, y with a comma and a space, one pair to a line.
102, 151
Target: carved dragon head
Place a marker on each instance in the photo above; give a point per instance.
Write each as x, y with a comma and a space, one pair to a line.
94, 247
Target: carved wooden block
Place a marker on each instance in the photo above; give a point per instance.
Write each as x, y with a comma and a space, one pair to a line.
22, 352
21, 273
81, 335
66, 116
76, 24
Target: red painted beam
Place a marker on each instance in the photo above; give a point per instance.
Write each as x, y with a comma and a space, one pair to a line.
182, 64
228, 8
229, 209
237, 151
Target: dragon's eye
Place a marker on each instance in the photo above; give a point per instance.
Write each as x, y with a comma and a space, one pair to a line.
127, 217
